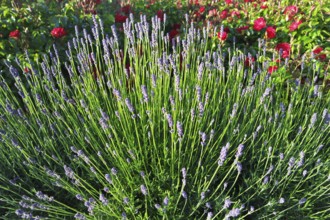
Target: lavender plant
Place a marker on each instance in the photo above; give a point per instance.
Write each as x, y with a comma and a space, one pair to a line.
160, 129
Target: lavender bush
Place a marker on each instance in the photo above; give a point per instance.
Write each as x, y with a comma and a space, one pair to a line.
160, 129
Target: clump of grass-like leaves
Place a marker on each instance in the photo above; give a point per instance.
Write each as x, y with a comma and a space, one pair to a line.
156, 129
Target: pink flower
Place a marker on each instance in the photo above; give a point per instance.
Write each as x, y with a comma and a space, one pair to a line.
15, 34
270, 32
229, 1
259, 24
222, 36
201, 9
291, 11
317, 50
285, 47
271, 69
58, 32
294, 25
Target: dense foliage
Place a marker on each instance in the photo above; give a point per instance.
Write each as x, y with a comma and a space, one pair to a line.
158, 116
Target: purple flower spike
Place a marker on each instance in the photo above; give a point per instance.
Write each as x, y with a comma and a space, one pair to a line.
144, 190
184, 195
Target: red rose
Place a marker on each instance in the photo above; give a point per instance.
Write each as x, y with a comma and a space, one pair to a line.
201, 9
291, 11
263, 6
271, 32
119, 18
15, 34
197, 14
317, 50
271, 69
321, 57
160, 15
58, 32
173, 33
285, 47
248, 61
224, 14
229, 1
294, 25
126, 9
259, 24
222, 36
240, 29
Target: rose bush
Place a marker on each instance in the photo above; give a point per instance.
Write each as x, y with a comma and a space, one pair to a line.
243, 21
25, 27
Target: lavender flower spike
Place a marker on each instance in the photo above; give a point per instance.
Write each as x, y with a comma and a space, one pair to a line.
234, 213
209, 215
144, 190
184, 173
165, 201
129, 105
145, 93
239, 152
239, 167
223, 154
184, 195
169, 120
103, 199
227, 204
302, 201
179, 129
